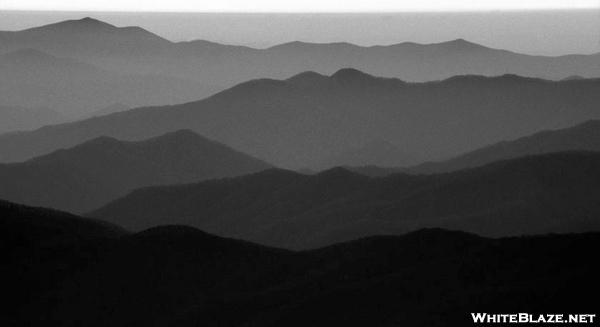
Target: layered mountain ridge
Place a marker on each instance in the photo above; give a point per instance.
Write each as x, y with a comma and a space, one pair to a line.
296, 123
550, 193
94, 172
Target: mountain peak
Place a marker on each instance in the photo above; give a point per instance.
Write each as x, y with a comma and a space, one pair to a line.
306, 78
350, 74
460, 43
86, 23
90, 20
89, 25
289, 45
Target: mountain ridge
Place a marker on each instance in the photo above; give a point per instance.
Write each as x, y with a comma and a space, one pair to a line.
82, 177
136, 50
528, 195
325, 116
179, 275
93, 23
582, 137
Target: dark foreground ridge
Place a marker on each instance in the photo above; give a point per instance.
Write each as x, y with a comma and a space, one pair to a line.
180, 276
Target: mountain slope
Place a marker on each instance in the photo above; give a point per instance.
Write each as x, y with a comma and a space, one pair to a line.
582, 137
28, 226
531, 195
21, 118
33, 78
113, 108
90, 174
301, 121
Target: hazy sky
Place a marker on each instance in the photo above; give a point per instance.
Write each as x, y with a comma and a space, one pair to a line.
295, 5
550, 32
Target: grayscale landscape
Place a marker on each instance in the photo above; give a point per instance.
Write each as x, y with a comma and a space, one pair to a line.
150, 181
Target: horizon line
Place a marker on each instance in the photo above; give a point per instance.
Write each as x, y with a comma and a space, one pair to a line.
302, 12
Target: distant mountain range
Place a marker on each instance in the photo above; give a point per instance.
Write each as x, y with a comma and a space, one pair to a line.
302, 121
95, 274
21, 118
125, 58
135, 50
531, 195
88, 175
32, 78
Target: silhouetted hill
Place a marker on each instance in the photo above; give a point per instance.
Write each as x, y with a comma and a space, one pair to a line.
90, 174
27, 226
582, 137
180, 276
530, 195
435, 278
86, 36
292, 123
41, 247
21, 118
32, 78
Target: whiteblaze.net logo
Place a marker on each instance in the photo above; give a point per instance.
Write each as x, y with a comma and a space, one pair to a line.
527, 318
